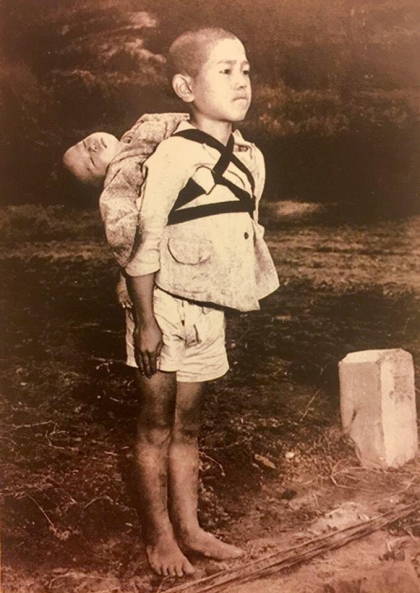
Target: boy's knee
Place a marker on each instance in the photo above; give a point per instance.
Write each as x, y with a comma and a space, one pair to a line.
185, 432
154, 435
153, 432
187, 424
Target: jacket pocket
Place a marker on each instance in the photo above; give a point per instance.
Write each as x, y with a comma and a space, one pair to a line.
188, 252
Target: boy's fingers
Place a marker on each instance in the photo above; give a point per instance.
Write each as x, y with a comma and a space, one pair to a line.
153, 362
156, 357
146, 365
139, 362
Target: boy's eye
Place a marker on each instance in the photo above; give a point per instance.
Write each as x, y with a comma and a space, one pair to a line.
226, 71
247, 72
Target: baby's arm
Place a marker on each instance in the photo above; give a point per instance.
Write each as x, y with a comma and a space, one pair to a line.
122, 293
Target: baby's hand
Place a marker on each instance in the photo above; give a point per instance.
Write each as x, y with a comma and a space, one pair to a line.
122, 294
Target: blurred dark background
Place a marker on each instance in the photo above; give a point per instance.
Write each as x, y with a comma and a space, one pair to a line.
336, 91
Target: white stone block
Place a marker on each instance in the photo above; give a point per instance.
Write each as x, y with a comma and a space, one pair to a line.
378, 406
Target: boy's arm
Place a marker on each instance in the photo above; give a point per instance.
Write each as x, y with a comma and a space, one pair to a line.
147, 334
166, 173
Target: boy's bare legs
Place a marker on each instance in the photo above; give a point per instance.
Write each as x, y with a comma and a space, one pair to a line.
152, 446
183, 476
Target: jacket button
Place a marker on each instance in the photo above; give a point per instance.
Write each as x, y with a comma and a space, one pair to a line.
246, 235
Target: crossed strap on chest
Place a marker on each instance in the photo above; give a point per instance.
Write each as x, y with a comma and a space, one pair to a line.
245, 202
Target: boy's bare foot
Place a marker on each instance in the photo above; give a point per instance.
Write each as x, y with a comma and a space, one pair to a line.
207, 544
166, 558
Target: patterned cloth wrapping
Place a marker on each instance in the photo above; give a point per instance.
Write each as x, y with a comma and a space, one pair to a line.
118, 202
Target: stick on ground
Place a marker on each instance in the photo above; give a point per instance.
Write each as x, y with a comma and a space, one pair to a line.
278, 561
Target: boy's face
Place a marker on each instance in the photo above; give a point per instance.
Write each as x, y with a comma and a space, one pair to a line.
88, 160
222, 87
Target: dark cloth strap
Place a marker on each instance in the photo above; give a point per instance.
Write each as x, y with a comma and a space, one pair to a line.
177, 216
226, 151
201, 137
192, 190
188, 193
225, 158
241, 194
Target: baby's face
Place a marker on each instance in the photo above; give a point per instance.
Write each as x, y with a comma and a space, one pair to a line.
88, 160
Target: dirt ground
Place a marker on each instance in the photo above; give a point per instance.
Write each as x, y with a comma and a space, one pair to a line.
275, 467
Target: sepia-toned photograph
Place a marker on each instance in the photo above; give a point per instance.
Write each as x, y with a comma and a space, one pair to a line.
210, 304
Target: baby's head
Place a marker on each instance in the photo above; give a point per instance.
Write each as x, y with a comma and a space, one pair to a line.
88, 160
210, 71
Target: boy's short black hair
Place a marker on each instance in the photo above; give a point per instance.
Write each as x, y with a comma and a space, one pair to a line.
187, 53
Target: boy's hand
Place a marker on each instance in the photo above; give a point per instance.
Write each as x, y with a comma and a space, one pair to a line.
147, 334
147, 347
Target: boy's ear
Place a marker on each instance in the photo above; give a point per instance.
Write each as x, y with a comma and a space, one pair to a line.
182, 86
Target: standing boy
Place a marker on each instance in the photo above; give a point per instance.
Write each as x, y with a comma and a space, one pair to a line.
201, 251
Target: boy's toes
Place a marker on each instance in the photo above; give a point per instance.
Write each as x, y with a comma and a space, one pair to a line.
187, 568
178, 571
166, 559
172, 572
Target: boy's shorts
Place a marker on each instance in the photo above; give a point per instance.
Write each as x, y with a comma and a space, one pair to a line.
193, 338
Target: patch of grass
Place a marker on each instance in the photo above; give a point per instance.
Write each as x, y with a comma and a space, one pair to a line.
34, 223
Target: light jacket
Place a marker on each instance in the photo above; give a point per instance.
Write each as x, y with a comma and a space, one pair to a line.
220, 259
